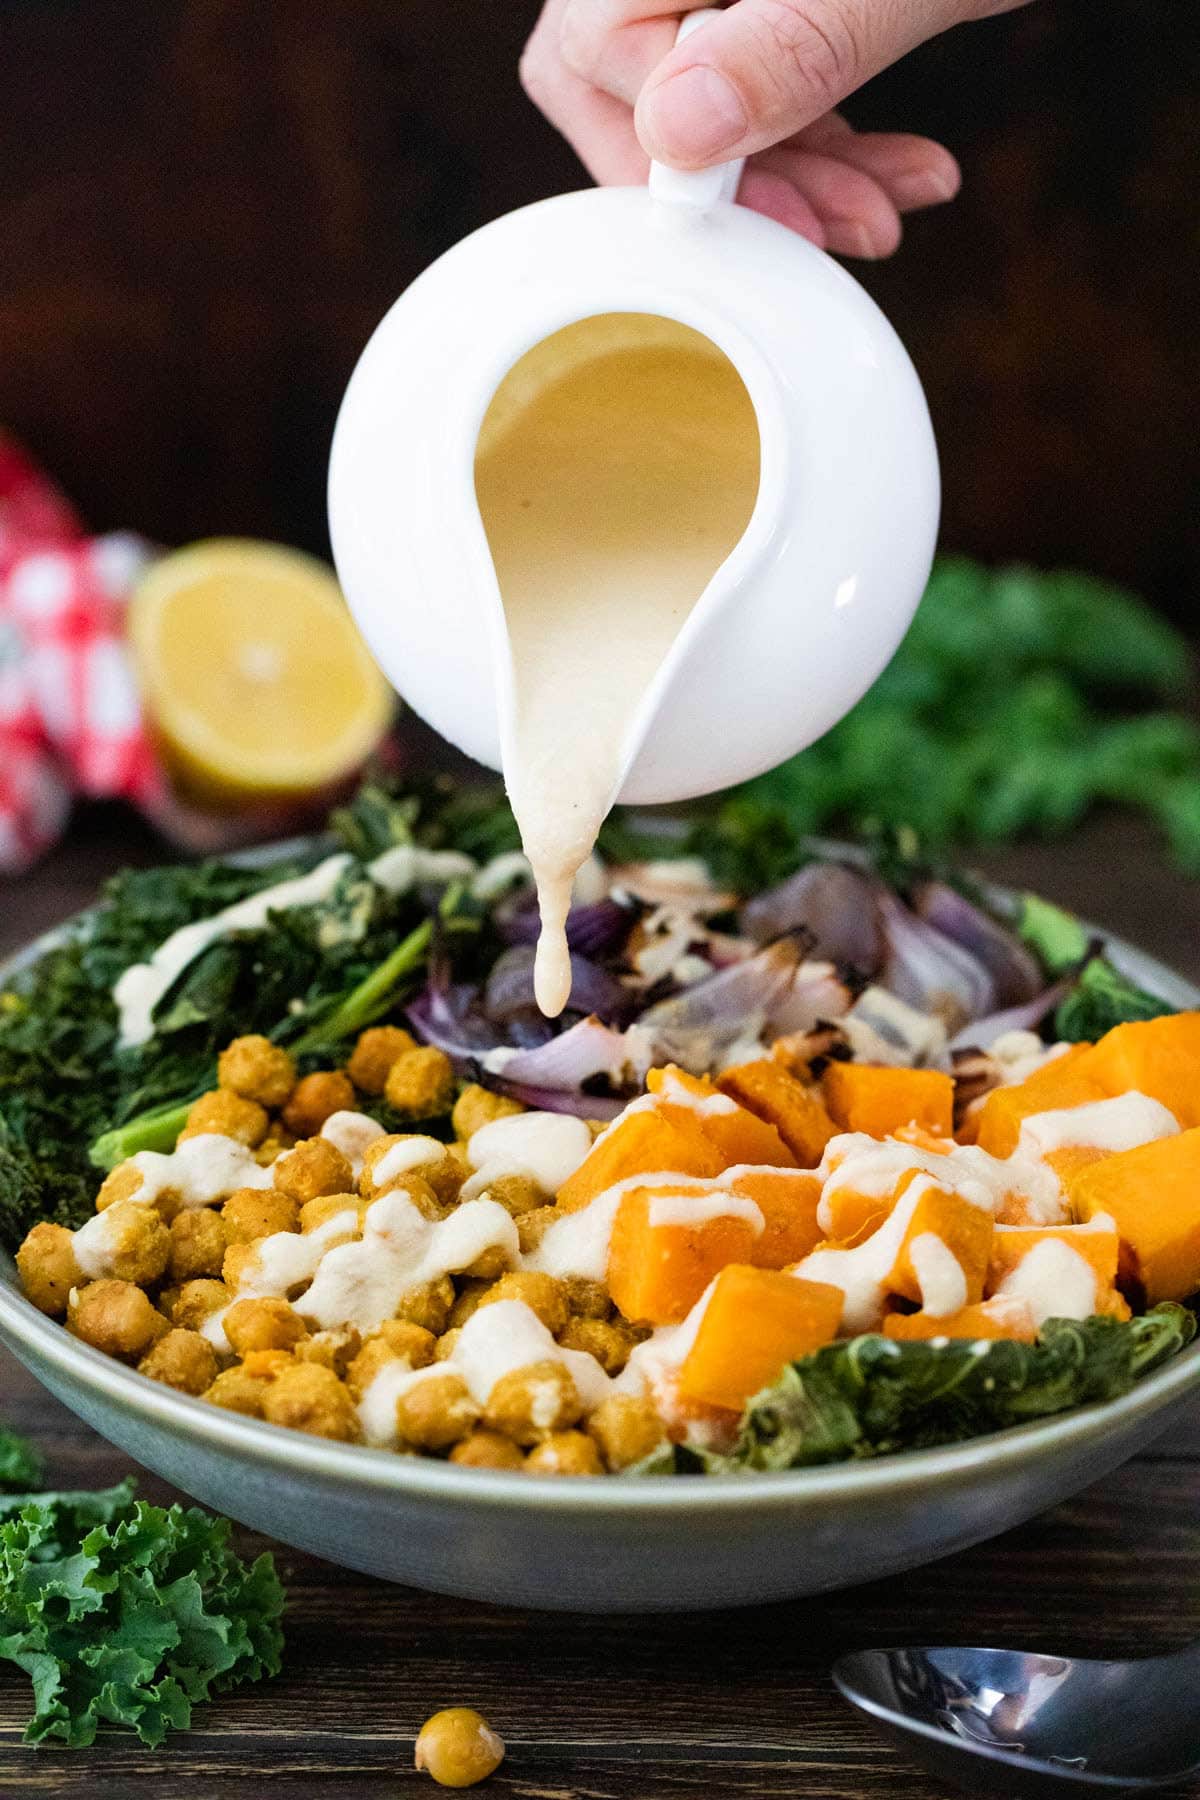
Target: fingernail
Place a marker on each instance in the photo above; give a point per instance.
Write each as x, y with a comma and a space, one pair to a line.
848, 238
926, 187
694, 116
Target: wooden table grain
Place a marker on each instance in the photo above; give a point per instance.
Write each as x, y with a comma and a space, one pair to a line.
724, 1704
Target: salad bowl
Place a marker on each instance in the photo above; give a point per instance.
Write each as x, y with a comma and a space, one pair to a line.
653, 1543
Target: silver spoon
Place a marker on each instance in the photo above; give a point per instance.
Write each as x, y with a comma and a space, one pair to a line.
1012, 1724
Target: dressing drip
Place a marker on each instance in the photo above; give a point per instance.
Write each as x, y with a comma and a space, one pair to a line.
616, 468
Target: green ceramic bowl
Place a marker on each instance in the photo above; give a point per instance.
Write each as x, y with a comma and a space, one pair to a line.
603, 1545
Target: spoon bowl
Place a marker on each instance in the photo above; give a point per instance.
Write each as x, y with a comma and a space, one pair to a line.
1016, 1723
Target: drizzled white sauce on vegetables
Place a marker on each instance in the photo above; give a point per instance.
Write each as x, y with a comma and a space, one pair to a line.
142, 986
547, 1148
200, 1172
858, 1164
1121, 1124
940, 1275
352, 1133
1055, 1282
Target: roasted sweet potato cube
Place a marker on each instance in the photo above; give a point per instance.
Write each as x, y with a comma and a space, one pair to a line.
668, 1244
1065, 1080
1153, 1194
643, 1141
787, 1199
796, 1111
740, 1136
959, 1229
1096, 1242
999, 1318
754, 1322
869, 1097
1159, 1057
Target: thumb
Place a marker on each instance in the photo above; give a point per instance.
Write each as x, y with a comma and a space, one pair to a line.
767, 68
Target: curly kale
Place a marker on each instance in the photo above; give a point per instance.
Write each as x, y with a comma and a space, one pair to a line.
127, 1614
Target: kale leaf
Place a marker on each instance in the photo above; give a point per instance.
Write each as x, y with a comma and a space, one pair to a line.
127, 1614
873, 1395
1101, 998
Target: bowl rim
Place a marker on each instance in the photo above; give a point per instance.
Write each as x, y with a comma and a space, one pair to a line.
280, 1450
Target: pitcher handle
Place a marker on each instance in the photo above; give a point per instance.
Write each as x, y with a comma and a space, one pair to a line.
697, 188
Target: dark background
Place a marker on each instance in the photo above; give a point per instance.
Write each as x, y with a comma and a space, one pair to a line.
206, 205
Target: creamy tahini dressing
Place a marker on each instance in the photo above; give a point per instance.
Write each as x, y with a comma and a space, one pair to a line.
200, 1172
940, 1275
545, 1147
352, 1133
143, 985
1125, 1123
1055, 1282
616, 468
856, 1163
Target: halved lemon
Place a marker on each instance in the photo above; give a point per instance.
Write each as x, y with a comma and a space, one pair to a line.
253, 673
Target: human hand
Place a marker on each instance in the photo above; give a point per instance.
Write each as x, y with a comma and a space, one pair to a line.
762, 81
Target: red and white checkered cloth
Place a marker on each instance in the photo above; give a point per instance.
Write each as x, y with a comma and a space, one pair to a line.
70, 719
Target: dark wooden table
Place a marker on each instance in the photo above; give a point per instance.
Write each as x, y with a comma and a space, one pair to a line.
636, 1709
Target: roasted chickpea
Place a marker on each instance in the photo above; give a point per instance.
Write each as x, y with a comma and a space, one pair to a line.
609, 1341
265, 1365
238, 1391
183, 1360
625, 1430
517, 1194
316, 1098
198, 1243
257, 1069
436, 1412
334, 1349
533, 1226
265, 1324
420, 1193
257, 1213
313, 1168
273, 1146
587, 1299
421, 1083
447, 1344
470, 1295
228, 1115
478, 1106
374, 1053
528, 1404
116, 1317
395, 1341
484, 1449
128, 1241
458, 1748
198, 1301
318, 1212
428, 1305
238, 1262
310, 1398
490, 1265
544, 1295
47, 1267
564, 1453
121, 1183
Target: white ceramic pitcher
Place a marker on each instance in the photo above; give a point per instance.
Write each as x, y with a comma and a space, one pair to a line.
798, 620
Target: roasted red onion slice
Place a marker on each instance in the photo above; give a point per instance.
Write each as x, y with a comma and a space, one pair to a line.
509, 988
593, 930
928, 970
1027, 1017
772, 990
579, 1054
833, 904
1016, 977
561, 1100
